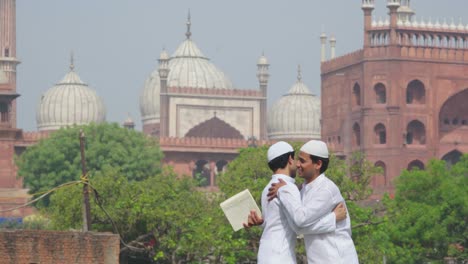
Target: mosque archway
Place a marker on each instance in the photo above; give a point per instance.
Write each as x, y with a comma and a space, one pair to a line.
416, 93
452, 157
416, 164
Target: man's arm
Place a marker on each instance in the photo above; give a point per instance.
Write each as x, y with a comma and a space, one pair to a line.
325, 224
306, 213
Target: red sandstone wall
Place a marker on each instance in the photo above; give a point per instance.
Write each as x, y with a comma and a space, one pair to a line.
30, 246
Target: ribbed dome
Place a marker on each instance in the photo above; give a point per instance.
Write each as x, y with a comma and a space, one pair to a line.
296, 115
68, 103
188, 67
149, 99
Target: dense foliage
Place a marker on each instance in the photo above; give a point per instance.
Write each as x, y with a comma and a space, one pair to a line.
57, 159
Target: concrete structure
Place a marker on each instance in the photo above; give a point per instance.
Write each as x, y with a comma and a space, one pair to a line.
402, 98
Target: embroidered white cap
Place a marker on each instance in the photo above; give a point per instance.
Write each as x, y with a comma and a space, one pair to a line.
316, 148
278, 149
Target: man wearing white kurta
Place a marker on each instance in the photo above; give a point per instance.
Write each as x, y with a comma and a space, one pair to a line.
278, 241
318, 196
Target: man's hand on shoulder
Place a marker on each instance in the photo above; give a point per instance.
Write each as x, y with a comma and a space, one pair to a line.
273, 191
340, 212
253, 220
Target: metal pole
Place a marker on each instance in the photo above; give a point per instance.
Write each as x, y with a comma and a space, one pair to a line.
86, 207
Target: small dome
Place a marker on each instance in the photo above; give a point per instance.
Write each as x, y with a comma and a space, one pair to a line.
296, 115
164, 55
149, 99
188, 67
70, 102
262, 60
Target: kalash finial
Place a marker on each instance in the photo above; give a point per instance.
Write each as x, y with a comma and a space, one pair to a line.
299, 74
72, 60
189, 23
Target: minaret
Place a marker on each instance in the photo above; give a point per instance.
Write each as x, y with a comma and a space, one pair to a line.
164, 111
263, 75
367, 8
332, 47
8, 62
128, 123
405, 13
393, 6
323, 43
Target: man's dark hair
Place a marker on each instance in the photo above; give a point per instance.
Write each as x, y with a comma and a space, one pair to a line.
280, 162
325, 162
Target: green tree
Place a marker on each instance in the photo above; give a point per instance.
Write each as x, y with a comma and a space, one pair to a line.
427, 218
57, 159
163, 216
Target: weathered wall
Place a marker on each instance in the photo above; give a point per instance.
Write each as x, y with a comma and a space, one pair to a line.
34, 246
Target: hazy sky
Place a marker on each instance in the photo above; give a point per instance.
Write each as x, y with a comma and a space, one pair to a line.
117, 42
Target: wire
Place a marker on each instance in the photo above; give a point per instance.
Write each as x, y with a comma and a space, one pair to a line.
114, 226
84, 180
42, 196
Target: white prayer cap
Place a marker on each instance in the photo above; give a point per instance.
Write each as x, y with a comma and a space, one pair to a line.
316, 148
278, 149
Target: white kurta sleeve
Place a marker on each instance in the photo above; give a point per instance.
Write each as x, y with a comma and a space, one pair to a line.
324, 225
312, 209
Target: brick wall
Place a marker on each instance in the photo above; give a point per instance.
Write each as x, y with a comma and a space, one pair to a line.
54, 247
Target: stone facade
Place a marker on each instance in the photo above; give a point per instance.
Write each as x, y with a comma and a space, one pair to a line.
405, 96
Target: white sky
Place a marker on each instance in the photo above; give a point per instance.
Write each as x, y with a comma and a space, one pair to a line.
117, 42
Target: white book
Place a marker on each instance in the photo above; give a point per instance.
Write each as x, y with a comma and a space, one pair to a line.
238, 207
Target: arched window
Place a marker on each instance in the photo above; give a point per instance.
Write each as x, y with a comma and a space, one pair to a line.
452, 157
415, 133
202, 173
416, 164
381, 179
454, 112
380, 134
356, 135
380, 93
356, 95
415, 93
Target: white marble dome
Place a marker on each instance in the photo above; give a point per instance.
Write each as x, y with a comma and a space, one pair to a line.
70, 102
296, 115
149, 99
188, 67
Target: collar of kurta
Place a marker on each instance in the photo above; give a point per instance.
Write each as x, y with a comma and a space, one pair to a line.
314, 183
285, 178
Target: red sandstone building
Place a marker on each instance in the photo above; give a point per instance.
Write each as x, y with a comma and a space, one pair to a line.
401, 99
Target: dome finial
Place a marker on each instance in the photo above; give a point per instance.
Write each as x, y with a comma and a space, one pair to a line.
299, 74
189, 23
72, 60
